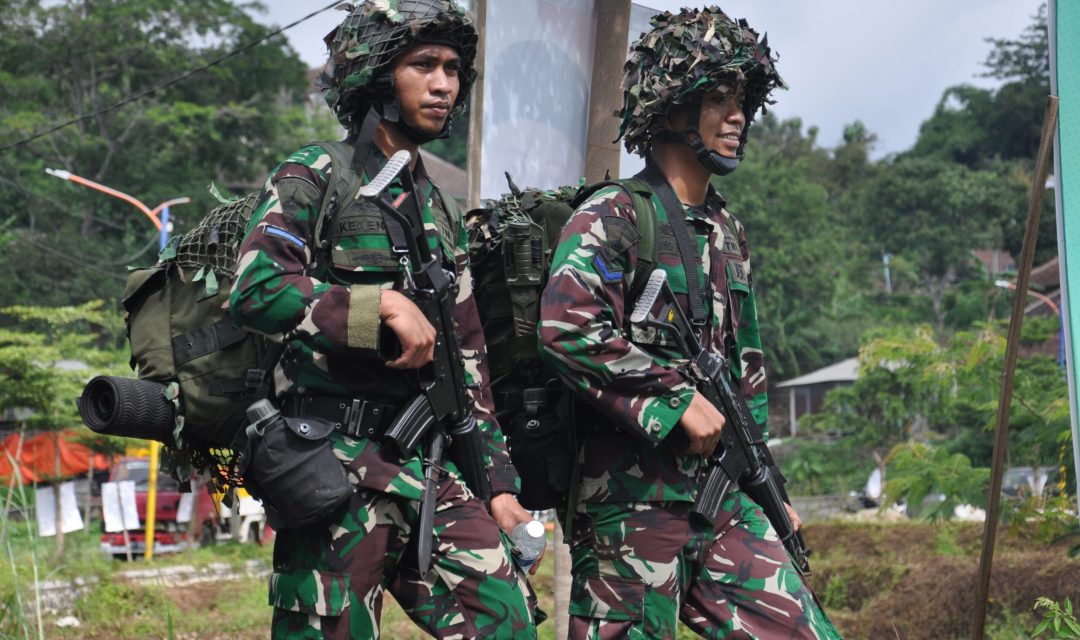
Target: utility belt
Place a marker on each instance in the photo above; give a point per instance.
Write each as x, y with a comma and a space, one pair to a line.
350, 416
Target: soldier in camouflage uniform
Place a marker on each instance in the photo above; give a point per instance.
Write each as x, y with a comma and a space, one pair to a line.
398, 70
641, 560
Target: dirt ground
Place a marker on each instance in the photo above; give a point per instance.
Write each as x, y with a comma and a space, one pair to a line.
918, 580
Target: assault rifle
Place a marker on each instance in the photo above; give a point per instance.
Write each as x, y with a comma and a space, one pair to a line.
742, 458
443, 407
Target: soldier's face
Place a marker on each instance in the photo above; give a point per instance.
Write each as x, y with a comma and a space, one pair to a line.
721, 121
427, 84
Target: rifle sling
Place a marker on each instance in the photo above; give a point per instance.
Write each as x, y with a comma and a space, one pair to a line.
688, 253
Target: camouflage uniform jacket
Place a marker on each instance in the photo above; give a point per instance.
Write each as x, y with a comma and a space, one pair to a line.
330, 318
630, 375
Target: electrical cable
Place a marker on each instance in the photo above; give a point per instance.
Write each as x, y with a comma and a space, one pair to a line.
66, 258
166, 85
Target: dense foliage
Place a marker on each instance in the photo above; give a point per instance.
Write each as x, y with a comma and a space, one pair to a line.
65, 244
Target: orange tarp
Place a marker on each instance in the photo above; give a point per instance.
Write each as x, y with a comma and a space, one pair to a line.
36, 460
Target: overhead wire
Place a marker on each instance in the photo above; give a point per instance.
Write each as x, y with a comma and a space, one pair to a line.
167, 84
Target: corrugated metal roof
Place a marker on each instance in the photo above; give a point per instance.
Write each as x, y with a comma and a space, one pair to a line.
843, 371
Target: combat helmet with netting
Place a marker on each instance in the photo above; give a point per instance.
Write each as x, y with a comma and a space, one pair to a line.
363, 47
683, 57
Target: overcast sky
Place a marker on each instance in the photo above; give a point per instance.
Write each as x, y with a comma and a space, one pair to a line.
880, 61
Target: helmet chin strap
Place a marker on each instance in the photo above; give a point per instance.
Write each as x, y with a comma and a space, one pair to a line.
714, 162
390, 108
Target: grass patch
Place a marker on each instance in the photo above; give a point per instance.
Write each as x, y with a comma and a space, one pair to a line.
907, 579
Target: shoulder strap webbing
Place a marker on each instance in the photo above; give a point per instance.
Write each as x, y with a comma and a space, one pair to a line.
641, 196
344, 185
691, 261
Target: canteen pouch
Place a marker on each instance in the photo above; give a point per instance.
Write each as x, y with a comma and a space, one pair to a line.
290, 465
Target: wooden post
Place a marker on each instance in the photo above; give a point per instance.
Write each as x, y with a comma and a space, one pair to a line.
476, 110
1012, 345
605, 94
561, 571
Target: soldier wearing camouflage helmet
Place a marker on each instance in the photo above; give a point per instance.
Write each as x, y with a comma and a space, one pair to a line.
642, 560
331, 293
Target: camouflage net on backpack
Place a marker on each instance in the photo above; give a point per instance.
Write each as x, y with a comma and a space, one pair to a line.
213, 243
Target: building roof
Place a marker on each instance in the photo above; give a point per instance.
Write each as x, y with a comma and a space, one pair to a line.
843, 371
451, 179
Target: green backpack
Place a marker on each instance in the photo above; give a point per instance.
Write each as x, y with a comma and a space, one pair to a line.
511, 241
187, 349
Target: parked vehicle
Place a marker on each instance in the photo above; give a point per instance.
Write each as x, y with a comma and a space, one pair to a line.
170, 535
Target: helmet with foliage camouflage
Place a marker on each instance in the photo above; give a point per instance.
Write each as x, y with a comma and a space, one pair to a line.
363, 47
683, 57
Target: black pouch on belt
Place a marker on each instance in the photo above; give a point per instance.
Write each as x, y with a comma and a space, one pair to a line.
540, 449
291, 465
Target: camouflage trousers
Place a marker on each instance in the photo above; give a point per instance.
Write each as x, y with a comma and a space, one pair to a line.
329, 580
639, 568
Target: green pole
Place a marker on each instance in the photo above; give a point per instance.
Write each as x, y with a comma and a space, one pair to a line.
1064, 33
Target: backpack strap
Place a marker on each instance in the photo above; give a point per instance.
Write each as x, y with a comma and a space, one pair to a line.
641, 196
345, 183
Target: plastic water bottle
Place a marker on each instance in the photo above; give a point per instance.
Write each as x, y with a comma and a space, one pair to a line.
529, 542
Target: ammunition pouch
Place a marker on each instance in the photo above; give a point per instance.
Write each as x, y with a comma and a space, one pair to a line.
290, 466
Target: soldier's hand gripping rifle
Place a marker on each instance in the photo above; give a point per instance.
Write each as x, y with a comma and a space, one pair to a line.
741, 459
443, 406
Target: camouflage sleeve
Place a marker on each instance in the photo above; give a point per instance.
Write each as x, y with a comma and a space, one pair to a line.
582, 315
501, 472
750, 359
271, 294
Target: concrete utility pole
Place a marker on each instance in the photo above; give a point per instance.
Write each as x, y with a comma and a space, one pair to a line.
476, 111
605, 96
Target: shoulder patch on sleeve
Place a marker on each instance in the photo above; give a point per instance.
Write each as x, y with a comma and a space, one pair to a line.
295, 193
278, 232
621, 234
607, 273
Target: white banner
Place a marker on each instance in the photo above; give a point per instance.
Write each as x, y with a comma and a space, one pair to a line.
118, 507
537, 74
70, 517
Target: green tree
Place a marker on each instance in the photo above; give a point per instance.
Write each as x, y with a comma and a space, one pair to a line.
800, 242
975, 126
35, 344
229, 124
916, 388
934, 213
